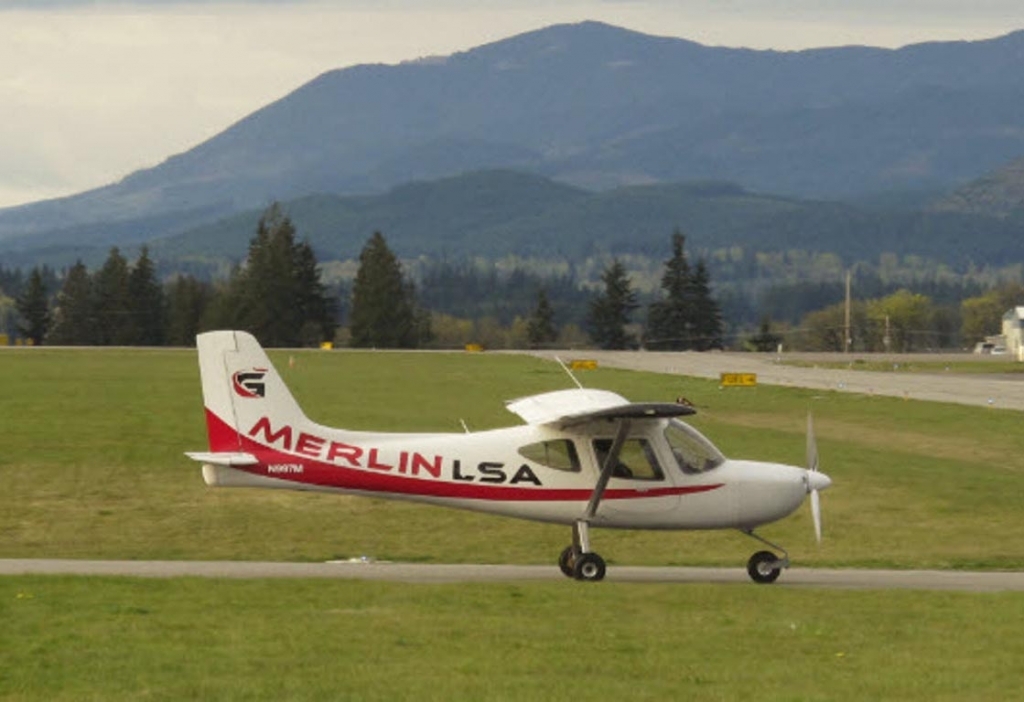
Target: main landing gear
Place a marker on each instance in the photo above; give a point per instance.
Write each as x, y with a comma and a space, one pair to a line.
577, 560
764, 566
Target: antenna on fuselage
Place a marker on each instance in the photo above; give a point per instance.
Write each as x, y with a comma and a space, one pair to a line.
569, 372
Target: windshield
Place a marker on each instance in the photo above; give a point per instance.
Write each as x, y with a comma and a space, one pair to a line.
692, 451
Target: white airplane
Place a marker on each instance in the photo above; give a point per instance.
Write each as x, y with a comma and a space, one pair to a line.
585, 458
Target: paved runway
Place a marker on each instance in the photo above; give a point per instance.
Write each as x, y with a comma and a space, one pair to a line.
1003, 390
424, 573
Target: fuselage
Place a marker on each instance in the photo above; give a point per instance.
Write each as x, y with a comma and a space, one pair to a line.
670, 477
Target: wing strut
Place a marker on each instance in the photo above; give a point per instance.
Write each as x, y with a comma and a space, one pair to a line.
606, 470
581, 529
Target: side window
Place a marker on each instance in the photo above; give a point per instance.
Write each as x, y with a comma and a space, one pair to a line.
636, 459
692, 451
559, 454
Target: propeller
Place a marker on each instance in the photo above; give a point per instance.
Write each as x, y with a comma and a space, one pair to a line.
814, 479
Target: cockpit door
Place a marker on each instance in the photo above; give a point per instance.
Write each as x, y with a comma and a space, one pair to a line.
640, 483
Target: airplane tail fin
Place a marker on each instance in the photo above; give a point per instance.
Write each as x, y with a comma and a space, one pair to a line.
240, 387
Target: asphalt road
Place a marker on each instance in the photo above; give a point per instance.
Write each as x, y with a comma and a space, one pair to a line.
1003, 390
422, 573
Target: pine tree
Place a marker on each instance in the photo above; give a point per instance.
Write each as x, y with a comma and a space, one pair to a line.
610, 311
187, 301
267, 289
384, 312
670, 320
113, 310
318, 310
34, 309
145, 303
540, 329
706, 323
277, 295
74, 316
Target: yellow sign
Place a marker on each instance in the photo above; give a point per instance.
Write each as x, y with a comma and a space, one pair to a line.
738, 380
4, 340
474, 348
326, 345
583, 364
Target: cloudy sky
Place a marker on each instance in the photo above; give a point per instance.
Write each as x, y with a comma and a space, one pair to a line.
93, 90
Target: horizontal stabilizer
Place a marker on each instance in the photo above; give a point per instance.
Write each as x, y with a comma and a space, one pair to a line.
223, 458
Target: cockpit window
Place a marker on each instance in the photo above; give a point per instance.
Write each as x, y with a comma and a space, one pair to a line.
636, 459
559, 454
692, 451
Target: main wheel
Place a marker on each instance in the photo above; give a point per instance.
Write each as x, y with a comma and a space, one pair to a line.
762, 568
589, 567
566, 561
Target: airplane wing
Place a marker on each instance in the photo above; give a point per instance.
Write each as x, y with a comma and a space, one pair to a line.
564, 408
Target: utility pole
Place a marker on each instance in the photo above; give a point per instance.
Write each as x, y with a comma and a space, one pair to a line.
846, 327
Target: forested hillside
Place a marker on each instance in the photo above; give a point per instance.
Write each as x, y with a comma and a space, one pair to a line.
997, 194
493, 214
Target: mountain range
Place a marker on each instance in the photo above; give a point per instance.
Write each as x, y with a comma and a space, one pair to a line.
584, 115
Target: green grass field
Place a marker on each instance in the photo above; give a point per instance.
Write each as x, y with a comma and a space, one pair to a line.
91, 464
124, 639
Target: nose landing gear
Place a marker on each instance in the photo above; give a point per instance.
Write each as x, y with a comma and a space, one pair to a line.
764, 566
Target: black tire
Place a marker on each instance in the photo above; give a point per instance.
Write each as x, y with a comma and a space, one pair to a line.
760, 569
589, 567
566, 561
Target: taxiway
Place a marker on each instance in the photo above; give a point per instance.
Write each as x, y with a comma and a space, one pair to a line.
999, 390
436, 573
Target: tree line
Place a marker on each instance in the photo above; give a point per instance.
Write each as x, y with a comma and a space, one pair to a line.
900, 322
277, 294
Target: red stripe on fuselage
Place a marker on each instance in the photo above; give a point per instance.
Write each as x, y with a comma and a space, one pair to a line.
224, 438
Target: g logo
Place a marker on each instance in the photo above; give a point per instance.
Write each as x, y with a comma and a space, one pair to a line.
249, 383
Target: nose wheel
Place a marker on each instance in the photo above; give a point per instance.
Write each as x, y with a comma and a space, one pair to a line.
764, 567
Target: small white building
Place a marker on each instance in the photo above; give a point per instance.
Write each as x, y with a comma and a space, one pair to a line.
1013, 332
